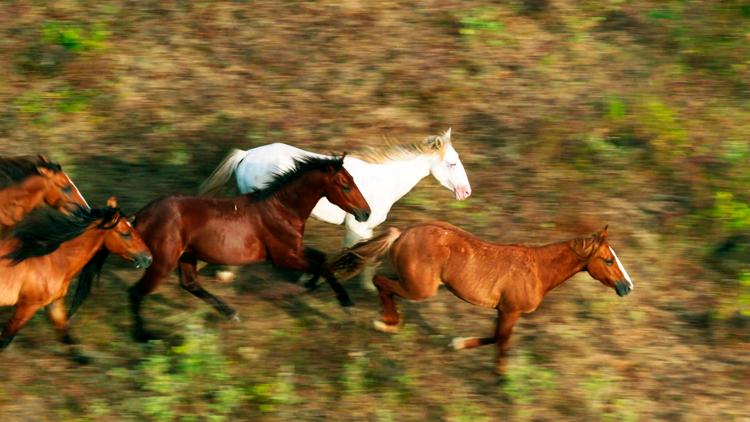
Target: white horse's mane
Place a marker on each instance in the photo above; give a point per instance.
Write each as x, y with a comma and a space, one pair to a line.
393, 149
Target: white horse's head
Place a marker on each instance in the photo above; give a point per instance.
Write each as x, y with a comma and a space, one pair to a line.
446, 166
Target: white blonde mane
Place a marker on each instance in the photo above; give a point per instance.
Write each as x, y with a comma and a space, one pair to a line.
392, 149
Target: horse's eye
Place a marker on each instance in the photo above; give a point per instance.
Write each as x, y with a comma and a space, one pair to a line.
67, 189
346, 188
451, 165
609, 262
125, 235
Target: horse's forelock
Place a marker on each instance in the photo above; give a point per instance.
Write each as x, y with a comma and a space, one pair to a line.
586, 246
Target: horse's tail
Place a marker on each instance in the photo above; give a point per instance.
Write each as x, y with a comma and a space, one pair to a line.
86, 279
222, 173
351, 261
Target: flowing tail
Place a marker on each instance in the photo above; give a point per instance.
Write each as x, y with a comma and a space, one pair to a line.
351, 261
212, 186
88, 274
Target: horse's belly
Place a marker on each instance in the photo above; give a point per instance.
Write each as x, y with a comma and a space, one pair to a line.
230, 251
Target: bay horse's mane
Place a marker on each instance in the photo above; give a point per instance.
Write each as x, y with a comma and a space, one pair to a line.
393, 149
300, 167
44, 230
16, 169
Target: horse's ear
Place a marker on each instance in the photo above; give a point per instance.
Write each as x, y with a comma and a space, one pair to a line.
44, 171
42, 159
112, 202
436, 143
447, 136
130, 219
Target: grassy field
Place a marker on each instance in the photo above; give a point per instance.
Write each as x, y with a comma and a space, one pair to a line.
568, 115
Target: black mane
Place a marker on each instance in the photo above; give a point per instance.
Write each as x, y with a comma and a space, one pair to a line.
16, 169
44, 230
301, 166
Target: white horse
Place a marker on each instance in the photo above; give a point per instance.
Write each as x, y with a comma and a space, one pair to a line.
383, 175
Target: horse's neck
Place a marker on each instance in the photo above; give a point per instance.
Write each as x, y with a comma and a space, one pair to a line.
394, 177
300, 196
19, 200
557, 263
76, 253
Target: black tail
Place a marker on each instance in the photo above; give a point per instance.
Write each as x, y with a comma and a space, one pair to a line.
351, 261
86, 279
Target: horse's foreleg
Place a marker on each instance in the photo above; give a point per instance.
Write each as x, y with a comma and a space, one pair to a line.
21, 316
302, 263
355, 233
147, 284
317, 259
505, 323
189, 282
59, 317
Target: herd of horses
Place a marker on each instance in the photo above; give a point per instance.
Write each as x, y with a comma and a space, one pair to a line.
49, 233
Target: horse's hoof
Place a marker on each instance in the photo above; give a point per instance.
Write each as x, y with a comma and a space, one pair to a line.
459, 343
345, 302
235, 318
385, 328
225, 276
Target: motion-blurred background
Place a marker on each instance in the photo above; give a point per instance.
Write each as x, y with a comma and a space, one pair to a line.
567, 115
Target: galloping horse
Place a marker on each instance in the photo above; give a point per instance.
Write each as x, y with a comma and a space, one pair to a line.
383, 175
47, 249
262, 225
26, 183
510, 278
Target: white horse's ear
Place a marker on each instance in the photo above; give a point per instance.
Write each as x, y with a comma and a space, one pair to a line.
447, 135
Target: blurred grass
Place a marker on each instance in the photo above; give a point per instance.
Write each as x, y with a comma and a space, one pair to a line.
567, 115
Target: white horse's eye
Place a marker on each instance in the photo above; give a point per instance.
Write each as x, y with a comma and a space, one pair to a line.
451, 165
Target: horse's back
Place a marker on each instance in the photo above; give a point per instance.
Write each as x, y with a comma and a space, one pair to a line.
259, 165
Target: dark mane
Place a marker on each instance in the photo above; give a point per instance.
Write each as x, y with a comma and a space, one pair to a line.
44, 230
301, 166
16, 169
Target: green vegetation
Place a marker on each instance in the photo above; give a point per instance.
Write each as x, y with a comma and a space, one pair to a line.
568, 115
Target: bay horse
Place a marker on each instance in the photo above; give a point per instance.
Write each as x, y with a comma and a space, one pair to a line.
27, 182
48, 249
510, 278
383, 174
266, 224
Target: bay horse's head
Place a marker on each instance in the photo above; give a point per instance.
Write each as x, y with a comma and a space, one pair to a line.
59, 191
447, 167
341, 190
602, 262
122, 239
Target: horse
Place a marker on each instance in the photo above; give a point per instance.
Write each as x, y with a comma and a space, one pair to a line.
384, 175
26, 183
267, 224
513, 279
48, 249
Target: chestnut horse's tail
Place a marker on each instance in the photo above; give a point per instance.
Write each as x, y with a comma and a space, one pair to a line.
88, 274
212, 186
351, 261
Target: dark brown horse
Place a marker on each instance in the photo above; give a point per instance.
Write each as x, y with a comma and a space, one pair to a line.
510, 278
26, 183
268, 224
47, 249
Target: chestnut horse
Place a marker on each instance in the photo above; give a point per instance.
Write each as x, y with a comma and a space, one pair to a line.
47, 249
510, 278
26, 183
266, 224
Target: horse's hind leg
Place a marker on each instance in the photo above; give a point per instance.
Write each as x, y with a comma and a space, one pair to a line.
21, 316
59, 318
189, 282
386, 289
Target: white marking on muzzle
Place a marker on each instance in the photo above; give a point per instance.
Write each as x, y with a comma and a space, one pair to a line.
622, 269
79, 193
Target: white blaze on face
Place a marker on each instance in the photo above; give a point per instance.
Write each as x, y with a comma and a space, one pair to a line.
622, 269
